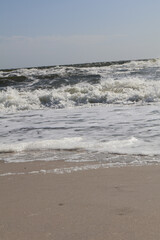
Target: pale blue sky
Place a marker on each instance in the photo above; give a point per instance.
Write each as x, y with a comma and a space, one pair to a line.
52, 32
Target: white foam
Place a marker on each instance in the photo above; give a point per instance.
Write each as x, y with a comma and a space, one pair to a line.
64, 144
124, 91
14, 100
124, 146
69, 170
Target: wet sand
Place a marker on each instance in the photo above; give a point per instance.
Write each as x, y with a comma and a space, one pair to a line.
113, 203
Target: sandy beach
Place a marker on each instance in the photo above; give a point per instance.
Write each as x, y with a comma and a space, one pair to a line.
113, 203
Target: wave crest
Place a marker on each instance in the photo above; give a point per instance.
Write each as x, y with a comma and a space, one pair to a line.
127, 91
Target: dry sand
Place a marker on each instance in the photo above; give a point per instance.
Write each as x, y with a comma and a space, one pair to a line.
112, 204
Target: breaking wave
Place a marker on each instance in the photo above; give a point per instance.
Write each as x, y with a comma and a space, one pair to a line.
126, 82
127, 91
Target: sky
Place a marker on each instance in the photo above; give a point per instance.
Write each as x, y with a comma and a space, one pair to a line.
53, 32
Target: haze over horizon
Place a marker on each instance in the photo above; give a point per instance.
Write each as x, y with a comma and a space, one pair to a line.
43, 33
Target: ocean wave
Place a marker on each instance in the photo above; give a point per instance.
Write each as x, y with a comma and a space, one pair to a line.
67, 143
129, 146
127, 91
72, 74
124, 82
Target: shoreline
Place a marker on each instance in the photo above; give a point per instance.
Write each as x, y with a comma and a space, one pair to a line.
61, 166
106, 203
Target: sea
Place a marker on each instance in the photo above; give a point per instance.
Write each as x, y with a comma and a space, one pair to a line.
107, 112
